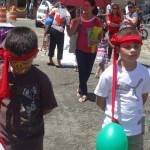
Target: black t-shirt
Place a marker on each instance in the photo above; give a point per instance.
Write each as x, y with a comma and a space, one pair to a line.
21, 116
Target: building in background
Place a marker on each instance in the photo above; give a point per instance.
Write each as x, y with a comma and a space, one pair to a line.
21, 6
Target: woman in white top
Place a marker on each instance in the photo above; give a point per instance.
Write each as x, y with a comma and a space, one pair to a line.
131, 18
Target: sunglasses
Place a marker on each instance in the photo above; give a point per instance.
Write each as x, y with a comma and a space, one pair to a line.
130, 7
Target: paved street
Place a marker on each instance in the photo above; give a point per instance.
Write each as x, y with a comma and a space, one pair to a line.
74, 125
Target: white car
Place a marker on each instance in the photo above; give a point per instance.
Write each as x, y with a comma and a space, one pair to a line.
44, 7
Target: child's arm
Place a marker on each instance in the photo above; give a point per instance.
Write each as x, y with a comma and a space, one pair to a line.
108, 39
101, 102
47, 111
110, 44
144, 96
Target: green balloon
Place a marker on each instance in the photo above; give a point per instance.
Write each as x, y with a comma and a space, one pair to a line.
112, 137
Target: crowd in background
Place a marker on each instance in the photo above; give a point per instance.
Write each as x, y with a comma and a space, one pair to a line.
112, 18
101, 33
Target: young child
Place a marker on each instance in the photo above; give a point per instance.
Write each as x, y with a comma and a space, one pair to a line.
132, 88
47, 25
102, 57
26, 93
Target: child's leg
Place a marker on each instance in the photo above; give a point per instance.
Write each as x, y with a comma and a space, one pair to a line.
135, 142
102, 66
98, 70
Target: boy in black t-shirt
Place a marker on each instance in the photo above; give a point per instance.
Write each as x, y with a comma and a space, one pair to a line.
26, 93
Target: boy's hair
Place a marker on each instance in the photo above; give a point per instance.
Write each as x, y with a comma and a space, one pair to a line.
21, 41
127, 31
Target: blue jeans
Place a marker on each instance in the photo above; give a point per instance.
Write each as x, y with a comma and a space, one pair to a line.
85, 63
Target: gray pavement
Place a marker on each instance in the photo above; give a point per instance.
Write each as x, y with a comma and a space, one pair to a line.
74, 125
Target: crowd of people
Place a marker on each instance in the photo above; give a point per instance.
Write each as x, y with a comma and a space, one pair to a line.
25, 100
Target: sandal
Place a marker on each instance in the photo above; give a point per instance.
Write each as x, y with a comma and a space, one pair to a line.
59, 66
50, 64
75, 69
79, 93
83, 98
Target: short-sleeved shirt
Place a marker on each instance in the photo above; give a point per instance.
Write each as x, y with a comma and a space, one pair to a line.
128, 102
21, 116
85, 26
61, 19
129, 17
114, 19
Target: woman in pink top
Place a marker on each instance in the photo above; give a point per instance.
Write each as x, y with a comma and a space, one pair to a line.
85, 56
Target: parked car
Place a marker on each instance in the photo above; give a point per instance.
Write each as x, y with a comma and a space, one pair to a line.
42, 10
41, 13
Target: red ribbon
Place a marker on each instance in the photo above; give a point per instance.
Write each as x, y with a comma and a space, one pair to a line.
129, 39
4, 83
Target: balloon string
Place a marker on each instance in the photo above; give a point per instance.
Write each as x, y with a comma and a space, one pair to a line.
114, 86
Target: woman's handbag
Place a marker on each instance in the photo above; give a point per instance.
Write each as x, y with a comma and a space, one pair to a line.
73, 42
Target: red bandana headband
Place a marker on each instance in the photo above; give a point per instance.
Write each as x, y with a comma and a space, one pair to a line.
128, 39
4, 83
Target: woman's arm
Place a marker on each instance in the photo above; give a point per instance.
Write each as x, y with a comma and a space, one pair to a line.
74, 25
110, 23
101, 102
133, 21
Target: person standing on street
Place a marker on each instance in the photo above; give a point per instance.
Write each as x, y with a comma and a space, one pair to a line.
27, 9
84, 53
113, 21
130, 89
61, 20
31, 7
26, 93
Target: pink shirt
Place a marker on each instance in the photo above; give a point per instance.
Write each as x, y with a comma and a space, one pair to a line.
82, 40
